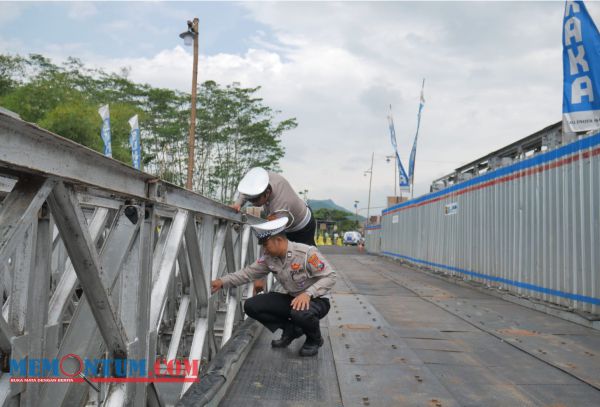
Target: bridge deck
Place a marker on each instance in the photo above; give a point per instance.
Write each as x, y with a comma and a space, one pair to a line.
401, 337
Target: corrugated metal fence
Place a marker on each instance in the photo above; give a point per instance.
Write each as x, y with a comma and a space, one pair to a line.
373, 238
532, 227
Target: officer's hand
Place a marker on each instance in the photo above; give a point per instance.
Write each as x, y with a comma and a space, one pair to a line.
259, 286
236, 207
301, 302
216, 285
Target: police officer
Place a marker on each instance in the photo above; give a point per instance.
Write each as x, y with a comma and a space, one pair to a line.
305, 277
265, 188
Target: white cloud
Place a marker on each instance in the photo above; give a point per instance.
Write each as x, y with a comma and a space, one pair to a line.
10, 11
79, 10
494, 75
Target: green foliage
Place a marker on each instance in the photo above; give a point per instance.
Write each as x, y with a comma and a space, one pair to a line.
338, 216
11, 70
235, 130
76, 121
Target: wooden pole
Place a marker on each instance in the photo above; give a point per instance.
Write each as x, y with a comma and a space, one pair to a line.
192, 133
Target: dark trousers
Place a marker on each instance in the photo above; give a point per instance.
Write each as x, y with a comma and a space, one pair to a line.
274, 311
305, 235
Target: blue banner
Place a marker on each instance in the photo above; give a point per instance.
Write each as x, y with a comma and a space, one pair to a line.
105, 132
413, 152
581, 64
403, 178
135, 142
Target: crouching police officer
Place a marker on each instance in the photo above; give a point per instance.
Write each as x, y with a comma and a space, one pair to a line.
305, 277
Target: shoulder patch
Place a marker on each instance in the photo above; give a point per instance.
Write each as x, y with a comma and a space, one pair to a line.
296, 266
314, 261
261, 260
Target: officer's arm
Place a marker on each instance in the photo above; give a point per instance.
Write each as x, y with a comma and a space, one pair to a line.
241, 200
253, 272
317, 266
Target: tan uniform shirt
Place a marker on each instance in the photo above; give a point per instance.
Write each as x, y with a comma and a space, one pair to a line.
283, 197
304, 269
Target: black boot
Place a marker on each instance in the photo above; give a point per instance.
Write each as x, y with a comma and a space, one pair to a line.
290, 333
311, 347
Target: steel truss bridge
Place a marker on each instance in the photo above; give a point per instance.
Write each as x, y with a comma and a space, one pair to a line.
100, 261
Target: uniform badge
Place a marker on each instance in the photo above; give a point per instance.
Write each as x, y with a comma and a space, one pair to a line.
295, 266
289, 254
316, 262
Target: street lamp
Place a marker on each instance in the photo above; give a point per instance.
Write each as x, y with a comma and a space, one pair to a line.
369, 171
191, 36
305, 194
356, 209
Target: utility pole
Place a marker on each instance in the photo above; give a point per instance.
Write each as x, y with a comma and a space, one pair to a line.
370, 171
395, 180
192, 32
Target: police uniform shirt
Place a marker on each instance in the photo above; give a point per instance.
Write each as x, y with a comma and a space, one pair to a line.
302, 270
283, 197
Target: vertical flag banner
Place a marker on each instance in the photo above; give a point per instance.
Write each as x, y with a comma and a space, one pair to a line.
403, 178
134, 142
413, 153
105, 132
581, 69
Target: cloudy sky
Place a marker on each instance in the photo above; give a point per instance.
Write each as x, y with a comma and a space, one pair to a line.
493, 73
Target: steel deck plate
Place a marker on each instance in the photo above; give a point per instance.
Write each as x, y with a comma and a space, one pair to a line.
402, 337
280, 377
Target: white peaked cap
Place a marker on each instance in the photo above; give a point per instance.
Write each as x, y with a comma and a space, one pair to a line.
265, 230
254, 182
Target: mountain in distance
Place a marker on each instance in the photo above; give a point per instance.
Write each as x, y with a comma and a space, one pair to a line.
316, 204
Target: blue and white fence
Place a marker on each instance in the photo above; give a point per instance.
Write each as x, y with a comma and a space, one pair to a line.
532, 227
373, 238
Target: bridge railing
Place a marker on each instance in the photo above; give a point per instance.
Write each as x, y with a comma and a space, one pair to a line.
101, 261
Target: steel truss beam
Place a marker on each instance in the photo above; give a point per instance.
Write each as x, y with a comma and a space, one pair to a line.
100, 260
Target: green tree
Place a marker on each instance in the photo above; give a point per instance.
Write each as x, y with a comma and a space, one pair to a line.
12, 69
341, 218
235, 129
236, 132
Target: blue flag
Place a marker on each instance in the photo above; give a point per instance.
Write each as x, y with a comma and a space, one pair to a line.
413, 152
105, 132
403, 178
135, 143
581, 69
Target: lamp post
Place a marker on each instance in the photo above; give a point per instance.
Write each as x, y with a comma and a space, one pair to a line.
369, 171
304, 195
356, 209
189, 36
387, 159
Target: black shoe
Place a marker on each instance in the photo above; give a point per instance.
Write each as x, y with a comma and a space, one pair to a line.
287, 338
312, 348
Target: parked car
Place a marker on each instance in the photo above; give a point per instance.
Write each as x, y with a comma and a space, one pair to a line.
352, 238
